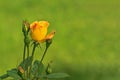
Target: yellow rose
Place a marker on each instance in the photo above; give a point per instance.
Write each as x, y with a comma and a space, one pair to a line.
39, 31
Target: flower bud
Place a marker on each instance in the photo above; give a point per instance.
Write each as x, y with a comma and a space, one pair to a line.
20, 69
25, 28
49, 69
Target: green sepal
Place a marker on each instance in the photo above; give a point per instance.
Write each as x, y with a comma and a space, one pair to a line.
48, 43
24, 29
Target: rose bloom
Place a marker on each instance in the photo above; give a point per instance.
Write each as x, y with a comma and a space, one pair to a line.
39, 31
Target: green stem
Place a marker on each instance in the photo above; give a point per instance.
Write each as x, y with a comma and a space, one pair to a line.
42, 60
24, 52
48, 43
27, 51
27, 72
33, 51
43, 54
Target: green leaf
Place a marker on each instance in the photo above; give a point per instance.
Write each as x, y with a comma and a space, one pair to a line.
26, 63
57, 75
4, 76
37, 68
14, 74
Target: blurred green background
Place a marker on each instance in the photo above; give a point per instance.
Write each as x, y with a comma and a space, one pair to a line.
87, 40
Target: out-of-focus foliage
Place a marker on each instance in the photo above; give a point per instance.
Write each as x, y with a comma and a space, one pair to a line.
87, 38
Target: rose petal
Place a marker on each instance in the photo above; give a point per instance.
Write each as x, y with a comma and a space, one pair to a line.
50, 35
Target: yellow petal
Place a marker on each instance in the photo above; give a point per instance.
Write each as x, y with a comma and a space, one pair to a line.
50, 35
43, 24
33, 25
39, 30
